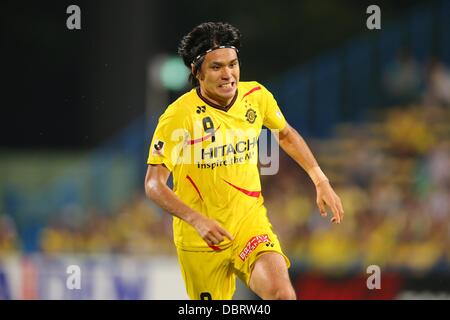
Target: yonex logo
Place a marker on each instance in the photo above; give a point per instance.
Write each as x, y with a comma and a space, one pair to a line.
201, 109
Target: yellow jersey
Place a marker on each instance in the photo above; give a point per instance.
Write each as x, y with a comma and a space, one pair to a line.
212, 152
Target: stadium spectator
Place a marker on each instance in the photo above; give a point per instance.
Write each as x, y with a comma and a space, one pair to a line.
402, 79
437, 87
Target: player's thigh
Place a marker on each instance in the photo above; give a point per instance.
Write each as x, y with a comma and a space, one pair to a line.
269, 277
207, 274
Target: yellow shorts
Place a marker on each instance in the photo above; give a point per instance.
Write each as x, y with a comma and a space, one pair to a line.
212, 274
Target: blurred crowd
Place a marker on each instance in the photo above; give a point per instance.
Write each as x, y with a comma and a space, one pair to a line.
405, 80
394, 181
392, 174
139, 227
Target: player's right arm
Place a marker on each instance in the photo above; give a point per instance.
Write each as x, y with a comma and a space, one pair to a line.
157, 190
295, 146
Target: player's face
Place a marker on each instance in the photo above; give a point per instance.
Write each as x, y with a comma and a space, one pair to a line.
219, 75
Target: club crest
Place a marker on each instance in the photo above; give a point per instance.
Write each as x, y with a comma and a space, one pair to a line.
250, 115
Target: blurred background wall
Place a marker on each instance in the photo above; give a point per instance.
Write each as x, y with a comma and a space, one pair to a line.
79, 108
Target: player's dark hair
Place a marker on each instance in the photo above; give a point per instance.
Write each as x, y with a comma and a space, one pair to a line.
203, 37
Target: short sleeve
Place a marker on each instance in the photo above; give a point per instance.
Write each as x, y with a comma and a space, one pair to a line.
273, 117
168, 139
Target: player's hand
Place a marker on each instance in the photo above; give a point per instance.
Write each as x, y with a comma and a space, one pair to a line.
210, 230
327, 197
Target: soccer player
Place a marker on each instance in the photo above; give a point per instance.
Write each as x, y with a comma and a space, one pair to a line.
207, 139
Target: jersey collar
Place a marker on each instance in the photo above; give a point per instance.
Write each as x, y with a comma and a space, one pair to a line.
215, 105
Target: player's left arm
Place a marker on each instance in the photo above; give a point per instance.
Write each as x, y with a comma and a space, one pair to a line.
295, 146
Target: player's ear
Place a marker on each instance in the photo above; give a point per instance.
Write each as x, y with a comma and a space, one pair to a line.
196, 72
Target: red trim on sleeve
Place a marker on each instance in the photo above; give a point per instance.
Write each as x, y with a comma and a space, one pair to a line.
251, 91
